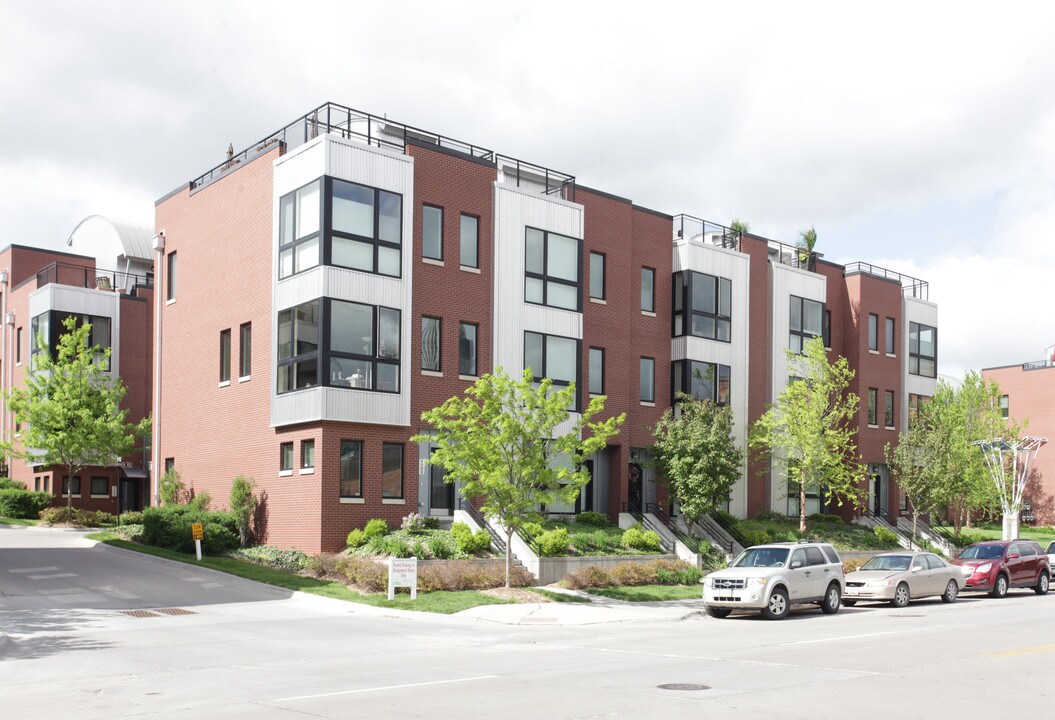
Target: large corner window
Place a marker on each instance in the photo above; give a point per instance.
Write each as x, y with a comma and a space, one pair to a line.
922, 350
552, 270
554, 357
363, 228
50, 326
701, 380
298, 347
702, 306
807, 321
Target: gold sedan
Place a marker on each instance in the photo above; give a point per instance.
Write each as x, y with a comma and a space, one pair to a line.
898, 577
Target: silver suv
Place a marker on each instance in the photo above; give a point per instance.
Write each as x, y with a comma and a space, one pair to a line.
771, 578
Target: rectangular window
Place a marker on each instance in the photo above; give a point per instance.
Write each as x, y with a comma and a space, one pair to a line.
648, 379
298, 347
392, 470
806, 322
873, 401
596, 371
888, 408
466, 349
285, 457
889, 337
36, 484
351, 468
170, 290
363, 345
701, 380
50, 328
702, 306
100, 487
307, 454
597, 275
1005, 406
922, 350
170, 464
826, 331
245, 350
432, 232
365, 232
76, 485
225, 355
648, 289
552, 269
554, 357
430, 343
873, 332
299, 224
39, 334
18, 346
469, 241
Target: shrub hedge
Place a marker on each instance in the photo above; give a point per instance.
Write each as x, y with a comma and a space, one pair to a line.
169, 527
22, 503
590, 517
657, 572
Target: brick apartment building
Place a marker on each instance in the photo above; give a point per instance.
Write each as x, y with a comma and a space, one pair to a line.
107, 282
319, 291
1029, 394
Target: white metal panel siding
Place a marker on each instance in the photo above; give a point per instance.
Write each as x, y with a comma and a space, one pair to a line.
376, 167
81, 301
915, 310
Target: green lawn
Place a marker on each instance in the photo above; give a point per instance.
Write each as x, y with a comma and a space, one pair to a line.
17, 521
1042, 535
650, 593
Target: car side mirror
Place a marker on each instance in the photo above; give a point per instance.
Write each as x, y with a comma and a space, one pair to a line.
795, 564
915, 568
1012, 556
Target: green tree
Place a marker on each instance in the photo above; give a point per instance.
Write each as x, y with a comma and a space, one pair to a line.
697, 454
500, 441
807, 241
70, 408
809, 433
243, 504
172, 487
915, 466
740, 226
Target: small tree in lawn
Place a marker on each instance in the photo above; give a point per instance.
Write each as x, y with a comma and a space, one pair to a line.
809, 432
500, 442
243, 505
914, 465
697, 455
70, 408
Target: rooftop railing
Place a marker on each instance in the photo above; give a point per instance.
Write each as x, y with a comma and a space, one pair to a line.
1038, 364
380, 132
792, 255
910, 286
693, 228
61, 273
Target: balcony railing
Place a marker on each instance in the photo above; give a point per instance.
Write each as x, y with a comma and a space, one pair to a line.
910, 286
792, 255
691, 228
382, 132
1038, 364
61, 273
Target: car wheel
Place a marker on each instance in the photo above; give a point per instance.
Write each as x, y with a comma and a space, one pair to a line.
1041, 587
849, 603
830, 604
901, 596
999, 587
717, 612
777, 608
951, 591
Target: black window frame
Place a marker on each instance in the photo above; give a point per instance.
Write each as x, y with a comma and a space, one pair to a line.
649, 362
1005, 406
681, 373
56, 328
545, 278
439, 343
245, 350
376, 241
95, 479
914, 356
589, 371
18, 346
75, 484
291, 364
538, 377
294, 242
463, 343
359, 470
306, 445
889, 339
386, 456
889, 408
684, 313
225, 355
430, 206
872, 408
603, 258
873, 332
652, 293
171, 276
475, 240
803, 335
285, 457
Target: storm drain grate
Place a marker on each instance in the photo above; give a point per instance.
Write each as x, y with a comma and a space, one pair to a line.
175, 611
139, 613
683, 686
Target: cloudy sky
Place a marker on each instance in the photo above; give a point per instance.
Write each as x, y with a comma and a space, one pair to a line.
917, 136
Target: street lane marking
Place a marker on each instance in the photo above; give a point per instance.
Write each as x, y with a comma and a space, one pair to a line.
51, 577
386, 687
32, 570
843, 637
1024, 651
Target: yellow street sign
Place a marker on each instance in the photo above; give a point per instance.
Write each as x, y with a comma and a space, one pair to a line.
196, 531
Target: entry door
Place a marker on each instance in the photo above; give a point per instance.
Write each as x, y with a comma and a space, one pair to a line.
441, 493
878, 499
583, 504
127, 495
634, 488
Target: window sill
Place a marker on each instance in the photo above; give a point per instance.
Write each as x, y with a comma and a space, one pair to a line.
99, 497
888, 427
18, 364
431, 373
599, 301
224, 383
245, 378
75, 497
647, 313
170, 302
432, 261
646, 403
307, 471
891, 355
285, 473
393, 501
353, 501
469, 269
873, 427
470, 378
597, 395
873, 352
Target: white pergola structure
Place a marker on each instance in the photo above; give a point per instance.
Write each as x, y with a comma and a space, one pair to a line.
1015, 457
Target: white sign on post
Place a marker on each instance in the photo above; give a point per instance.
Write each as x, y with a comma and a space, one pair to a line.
403, 572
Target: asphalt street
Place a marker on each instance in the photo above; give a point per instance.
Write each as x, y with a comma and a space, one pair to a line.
102, 633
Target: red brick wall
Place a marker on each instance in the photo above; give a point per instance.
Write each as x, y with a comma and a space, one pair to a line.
759, 351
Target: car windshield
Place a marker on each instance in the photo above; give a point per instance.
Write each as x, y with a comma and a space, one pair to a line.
761, 557
983, 552
1051, 547
888, 562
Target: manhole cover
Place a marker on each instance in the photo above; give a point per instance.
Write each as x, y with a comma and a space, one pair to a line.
175, 611
683, 686
139, 613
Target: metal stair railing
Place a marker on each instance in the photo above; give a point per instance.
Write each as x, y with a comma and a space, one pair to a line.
666, 521
497, 540
731, 530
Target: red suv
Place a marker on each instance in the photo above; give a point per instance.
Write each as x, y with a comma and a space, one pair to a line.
996, 565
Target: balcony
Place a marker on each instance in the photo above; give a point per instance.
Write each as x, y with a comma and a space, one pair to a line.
694, 229
61, 273
910, 286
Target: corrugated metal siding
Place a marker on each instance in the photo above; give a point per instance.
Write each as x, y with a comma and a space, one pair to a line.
82, 301
915, 310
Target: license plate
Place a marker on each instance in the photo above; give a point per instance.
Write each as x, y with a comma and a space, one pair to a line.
851, 591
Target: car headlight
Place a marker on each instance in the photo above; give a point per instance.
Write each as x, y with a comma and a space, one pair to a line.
984, 568
879, 583
755, 582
